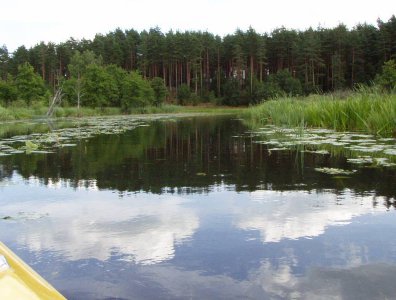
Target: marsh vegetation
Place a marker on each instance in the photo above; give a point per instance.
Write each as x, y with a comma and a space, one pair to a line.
366, 110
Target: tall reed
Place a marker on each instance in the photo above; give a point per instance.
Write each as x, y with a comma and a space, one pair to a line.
363, 110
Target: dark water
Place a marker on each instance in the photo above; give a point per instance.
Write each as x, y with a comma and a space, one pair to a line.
193, 208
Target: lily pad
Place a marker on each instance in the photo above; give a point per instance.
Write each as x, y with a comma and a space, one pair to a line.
30, 146
318, 151
360, 160
41, 152
390, 151
278, 149
335, 171
384, 162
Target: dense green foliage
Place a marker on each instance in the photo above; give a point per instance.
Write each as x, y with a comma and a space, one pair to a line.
137, 92
130, 69
29, 85
8, 92
366, 109
387, 78
160, 91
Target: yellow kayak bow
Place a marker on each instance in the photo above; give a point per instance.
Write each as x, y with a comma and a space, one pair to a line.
19, 281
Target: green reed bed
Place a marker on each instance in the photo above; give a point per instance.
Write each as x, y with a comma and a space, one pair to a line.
367, 111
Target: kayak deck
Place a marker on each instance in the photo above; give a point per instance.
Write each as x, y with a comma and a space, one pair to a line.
19, 281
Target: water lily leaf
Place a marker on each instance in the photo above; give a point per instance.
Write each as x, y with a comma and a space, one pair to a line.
335, 171
41, 152
360, 160
317, 151
278, 149
390, 151
30, 146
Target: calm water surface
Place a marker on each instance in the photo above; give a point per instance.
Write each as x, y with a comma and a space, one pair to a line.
195, 208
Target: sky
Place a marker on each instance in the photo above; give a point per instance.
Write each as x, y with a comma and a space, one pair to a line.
27, 22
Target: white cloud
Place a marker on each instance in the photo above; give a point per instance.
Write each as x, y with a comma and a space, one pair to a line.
293, 215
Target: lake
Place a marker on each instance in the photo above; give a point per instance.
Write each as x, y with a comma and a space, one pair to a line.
200, 207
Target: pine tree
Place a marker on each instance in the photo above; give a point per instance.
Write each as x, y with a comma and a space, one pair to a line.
4, 62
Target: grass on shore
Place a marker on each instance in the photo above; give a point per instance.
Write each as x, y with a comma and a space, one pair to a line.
21, 113
364, 110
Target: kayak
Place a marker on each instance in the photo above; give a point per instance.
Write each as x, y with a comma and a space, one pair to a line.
19, 281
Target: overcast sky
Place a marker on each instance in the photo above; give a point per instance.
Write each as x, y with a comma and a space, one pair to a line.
27, 22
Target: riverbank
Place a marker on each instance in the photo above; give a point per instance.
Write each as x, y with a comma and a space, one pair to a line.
367, 111
35, 112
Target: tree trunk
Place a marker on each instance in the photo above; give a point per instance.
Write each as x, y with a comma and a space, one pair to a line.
218, 73
170, 77
353, 68
176, 83
196, 80
313, 72
181, 72
78, 91
43, 63
188, 74
43, 70
164, 73
60, 66
306, 72
207, 70
251, 74
201, 76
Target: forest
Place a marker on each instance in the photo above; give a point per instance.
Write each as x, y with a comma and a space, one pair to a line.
131, 69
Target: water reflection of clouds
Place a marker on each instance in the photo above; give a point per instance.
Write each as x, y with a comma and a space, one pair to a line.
294, 215
139, 228
373, 281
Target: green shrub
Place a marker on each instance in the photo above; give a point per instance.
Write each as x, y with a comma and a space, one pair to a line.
18, 103
136, 92
160, 91
387, 78
5, 114
30, 86
8, 92
183, 94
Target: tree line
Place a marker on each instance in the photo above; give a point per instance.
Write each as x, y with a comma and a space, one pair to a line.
128, 68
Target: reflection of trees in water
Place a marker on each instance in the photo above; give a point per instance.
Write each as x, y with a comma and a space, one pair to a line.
192, 155
390, 202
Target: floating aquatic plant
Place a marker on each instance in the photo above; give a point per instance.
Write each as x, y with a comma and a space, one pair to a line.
48, 142
335, 171
390, 151
318, 151
30, 146
359, 148
361, 160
